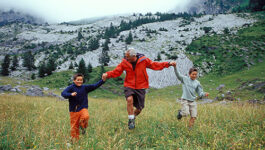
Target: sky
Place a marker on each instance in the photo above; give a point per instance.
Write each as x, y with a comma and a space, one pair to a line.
56, 11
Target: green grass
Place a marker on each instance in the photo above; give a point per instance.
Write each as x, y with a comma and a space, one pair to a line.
211, 81
111, 89
43, 123
228, 53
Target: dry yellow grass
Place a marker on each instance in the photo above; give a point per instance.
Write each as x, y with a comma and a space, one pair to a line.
43, 123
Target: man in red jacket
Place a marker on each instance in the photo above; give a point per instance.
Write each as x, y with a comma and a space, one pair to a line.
136, 80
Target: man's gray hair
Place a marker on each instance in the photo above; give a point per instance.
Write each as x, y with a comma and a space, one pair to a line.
131, 51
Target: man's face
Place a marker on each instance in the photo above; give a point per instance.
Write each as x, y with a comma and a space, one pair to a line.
130, 58
78, 81
193, 75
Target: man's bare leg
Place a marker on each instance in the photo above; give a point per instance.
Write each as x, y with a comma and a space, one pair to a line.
137, 112
131, 122
130, 105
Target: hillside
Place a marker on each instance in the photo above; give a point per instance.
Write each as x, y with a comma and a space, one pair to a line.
167, 38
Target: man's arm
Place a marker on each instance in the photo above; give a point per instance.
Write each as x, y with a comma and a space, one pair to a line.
158, 65
114, 73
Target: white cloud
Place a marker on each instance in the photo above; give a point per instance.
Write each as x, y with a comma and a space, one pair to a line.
69, 10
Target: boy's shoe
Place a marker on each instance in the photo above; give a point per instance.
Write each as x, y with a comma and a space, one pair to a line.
83, 130
131, 124
179, 115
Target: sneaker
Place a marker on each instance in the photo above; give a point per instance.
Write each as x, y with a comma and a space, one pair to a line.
131, 124
179, 115
83, 130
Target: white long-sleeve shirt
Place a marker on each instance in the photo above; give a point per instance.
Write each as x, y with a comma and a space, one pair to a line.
189, 87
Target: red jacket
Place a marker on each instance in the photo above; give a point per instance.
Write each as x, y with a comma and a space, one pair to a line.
138, 78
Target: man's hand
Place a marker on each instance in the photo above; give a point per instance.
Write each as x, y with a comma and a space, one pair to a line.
74, 94
104, 76
206, 94
172, 63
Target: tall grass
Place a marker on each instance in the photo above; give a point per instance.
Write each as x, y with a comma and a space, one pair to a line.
43, 123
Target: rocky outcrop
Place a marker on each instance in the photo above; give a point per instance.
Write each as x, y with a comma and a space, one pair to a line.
11, 16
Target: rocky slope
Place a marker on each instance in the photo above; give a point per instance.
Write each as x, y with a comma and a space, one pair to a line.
171, 41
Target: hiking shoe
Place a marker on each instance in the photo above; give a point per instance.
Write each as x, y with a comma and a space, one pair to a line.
83, 130
131, 124
179, 115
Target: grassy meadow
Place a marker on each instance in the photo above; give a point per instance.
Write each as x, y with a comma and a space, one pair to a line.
43, 123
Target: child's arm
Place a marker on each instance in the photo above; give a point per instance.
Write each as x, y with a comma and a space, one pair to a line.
200, 92
91, 87
67, 92
179, 76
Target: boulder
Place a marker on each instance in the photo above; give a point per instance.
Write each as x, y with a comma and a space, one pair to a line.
34, 91
220, 87
6, 87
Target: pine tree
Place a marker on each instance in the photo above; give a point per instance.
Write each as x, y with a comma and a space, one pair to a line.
28, 61
129, 39
79, 36
42, 70
76, 65
71, 66
257, 5
33, 77
82, 69
89, 68
104, 58
158, 57
5, 65
106, 45
51, 66
94, 43
14, 63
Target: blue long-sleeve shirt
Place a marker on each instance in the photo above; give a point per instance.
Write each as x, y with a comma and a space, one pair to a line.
80, 101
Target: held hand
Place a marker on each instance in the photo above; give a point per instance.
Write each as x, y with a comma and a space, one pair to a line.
172, 63
206, 94
74, 94
104, 76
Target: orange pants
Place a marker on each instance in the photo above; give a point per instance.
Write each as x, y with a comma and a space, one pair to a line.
78, 119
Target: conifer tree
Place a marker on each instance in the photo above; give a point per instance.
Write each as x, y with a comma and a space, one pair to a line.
5, 65
71, 66
104, 58
82, 69
89, 68
51, 66
14, 63
28, 61
42, 70
129, 39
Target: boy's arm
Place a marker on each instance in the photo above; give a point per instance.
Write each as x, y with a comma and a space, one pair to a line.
67, 92
179, 76
91, 87
200, 92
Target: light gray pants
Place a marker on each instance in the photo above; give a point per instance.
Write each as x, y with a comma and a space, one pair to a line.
188, 107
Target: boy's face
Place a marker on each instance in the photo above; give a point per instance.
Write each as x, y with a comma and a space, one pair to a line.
193, 75
78, 81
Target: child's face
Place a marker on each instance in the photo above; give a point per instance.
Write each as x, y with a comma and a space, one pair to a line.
193, 75
78, 81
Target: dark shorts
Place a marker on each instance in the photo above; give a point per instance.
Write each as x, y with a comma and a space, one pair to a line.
138, 96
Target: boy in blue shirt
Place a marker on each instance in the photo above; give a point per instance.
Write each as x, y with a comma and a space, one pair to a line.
78, 103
